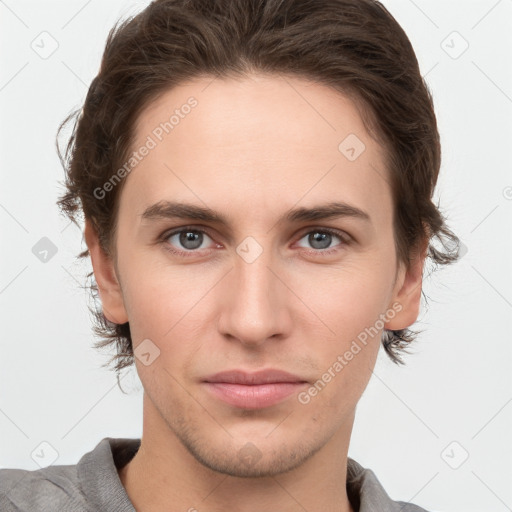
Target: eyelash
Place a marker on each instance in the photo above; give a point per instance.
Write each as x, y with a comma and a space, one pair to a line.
344, 238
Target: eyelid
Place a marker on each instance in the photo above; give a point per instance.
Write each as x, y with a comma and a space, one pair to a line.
178, 229
343, 235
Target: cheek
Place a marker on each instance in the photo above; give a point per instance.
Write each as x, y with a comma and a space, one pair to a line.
162, 302
345, 354
347, 305
347, 301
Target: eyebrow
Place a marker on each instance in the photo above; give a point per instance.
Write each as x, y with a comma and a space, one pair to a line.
172, 210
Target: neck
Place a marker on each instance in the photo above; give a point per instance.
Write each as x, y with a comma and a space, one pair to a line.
164, 475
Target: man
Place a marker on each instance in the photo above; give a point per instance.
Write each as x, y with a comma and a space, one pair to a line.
256, 179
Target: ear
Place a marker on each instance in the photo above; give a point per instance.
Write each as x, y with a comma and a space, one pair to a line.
108, 286
407, 293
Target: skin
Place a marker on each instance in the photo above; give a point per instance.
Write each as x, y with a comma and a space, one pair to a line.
252, 149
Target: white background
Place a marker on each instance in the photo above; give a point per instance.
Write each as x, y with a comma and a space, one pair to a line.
457, 386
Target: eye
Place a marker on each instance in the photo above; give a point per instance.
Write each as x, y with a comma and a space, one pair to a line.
321, 240
185, 241
189, 241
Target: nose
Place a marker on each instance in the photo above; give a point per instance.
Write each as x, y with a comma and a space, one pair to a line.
255, 305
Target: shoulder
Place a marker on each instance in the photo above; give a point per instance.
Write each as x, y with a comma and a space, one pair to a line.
368, 494
50, 488
91, 485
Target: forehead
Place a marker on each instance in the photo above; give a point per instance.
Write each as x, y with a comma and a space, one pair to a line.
256, 141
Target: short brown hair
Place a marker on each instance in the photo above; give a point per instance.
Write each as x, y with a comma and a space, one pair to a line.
353, 46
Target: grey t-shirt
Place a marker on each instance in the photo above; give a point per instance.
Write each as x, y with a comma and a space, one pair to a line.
93, 485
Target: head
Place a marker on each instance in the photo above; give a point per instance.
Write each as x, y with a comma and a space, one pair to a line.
258, 113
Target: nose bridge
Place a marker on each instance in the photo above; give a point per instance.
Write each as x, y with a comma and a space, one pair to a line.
256, 308
253, 279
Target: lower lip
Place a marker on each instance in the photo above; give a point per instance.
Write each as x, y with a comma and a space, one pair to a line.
253, 396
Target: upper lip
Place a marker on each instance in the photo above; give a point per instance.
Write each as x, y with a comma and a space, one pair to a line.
254, 378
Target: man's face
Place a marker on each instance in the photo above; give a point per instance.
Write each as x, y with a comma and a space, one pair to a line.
261, 291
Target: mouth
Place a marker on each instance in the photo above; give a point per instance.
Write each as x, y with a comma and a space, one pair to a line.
253, 390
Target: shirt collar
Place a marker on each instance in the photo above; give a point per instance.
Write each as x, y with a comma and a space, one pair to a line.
98, 474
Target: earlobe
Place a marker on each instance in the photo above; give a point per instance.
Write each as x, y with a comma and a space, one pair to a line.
406, 299
108, 285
